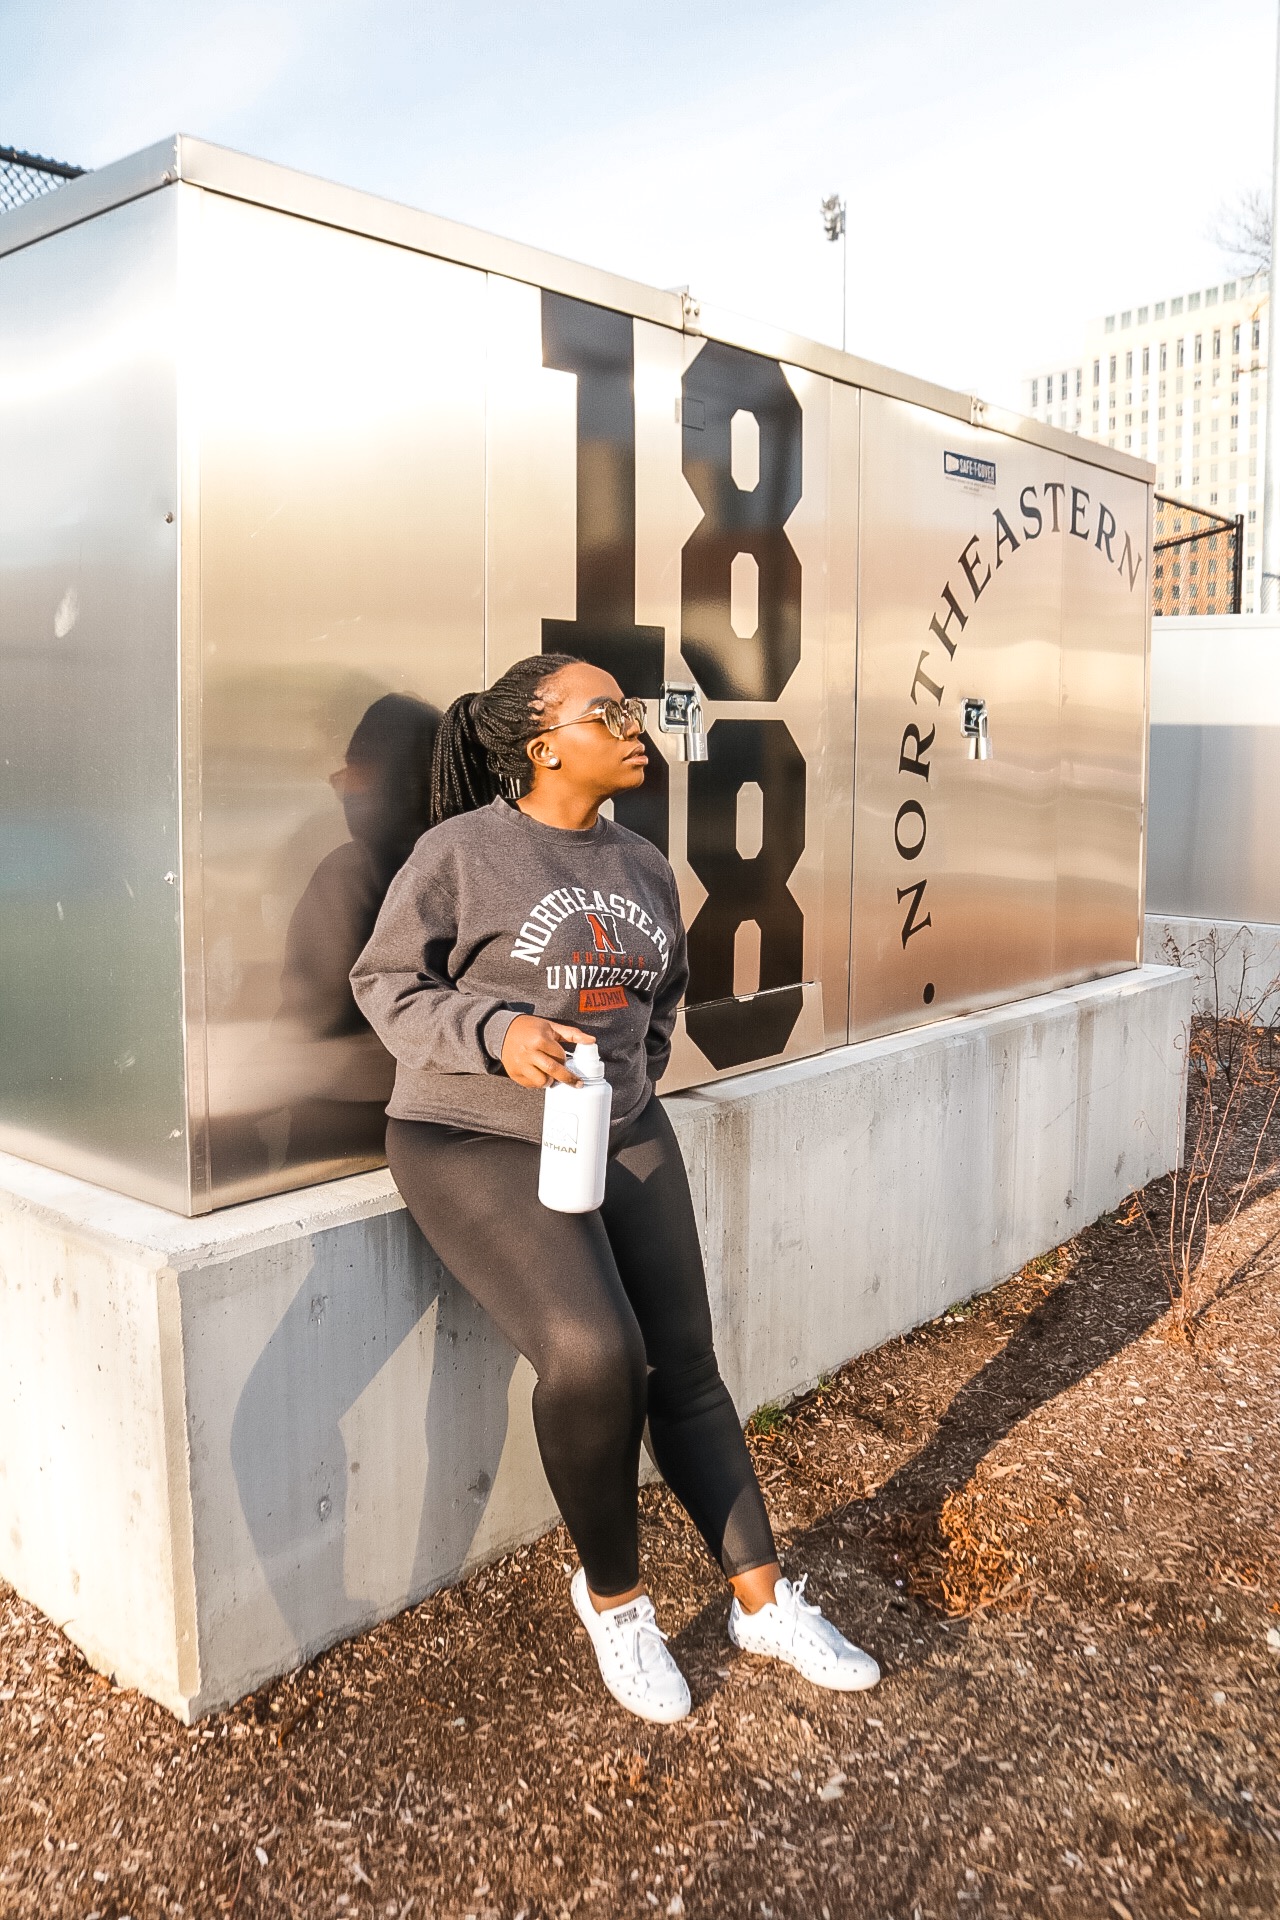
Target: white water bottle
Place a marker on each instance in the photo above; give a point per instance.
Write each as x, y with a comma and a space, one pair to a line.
575, 1136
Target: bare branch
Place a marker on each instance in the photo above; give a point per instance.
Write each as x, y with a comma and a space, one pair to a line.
1241, 229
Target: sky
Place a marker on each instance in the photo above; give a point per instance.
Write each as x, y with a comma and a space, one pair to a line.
1010, 170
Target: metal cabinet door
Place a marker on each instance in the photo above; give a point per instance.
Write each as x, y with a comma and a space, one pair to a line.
1106, 622
959, 598
334, 407
672, 508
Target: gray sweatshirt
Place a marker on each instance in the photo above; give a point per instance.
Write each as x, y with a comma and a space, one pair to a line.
495, 914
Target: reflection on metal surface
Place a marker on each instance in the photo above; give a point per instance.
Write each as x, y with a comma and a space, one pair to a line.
315, 1087
91, 1077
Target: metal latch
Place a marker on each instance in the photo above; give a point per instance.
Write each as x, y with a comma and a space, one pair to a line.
680, 712
975, 728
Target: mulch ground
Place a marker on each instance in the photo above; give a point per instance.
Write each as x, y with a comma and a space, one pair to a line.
1051, 1516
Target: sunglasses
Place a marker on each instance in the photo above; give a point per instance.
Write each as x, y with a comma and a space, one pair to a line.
622, 717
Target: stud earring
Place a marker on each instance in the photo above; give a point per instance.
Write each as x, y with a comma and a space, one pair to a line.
552, 761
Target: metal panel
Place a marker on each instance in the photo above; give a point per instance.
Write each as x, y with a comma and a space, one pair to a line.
1214, 823
1215, 769
960, 591
336, 391
1105, 624
91, 1079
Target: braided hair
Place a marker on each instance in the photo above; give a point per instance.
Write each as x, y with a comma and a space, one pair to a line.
480, 748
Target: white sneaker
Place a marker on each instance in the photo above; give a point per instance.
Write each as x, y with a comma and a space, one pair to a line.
631, 1649
789, 1628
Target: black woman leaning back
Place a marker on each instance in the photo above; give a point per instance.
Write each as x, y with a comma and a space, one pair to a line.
472, 979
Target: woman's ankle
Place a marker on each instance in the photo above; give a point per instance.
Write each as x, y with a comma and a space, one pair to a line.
754, 1589
604, 1603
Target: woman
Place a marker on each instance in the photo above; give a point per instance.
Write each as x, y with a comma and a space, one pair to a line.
518, 925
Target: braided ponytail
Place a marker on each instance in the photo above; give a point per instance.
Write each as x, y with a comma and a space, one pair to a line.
480, 748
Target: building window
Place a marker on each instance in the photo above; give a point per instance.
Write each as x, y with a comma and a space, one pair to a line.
1035, 393
1125, 318
1128, 365
1217, 343
1193, 301
1257, 335
1142, 316
1109, 324
1175, 306
1182, 352
1113, 369
1097, 374
1159, 310
1199, 342
1164, 356
1211, 297
1228, 289
1146, 360
1079, 381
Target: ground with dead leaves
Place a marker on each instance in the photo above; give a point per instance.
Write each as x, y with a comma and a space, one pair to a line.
1051, 1516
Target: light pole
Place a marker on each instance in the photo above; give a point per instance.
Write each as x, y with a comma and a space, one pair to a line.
1269, 598
833, 222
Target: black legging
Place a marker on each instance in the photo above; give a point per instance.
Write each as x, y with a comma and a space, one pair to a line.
611, 1310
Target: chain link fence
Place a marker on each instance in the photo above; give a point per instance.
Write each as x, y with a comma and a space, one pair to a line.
1198, 559
26, 176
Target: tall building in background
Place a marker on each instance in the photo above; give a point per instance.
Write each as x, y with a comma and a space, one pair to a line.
1182, 383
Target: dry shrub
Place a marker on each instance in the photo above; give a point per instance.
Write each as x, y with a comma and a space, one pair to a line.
1232, 1093
1233, 1087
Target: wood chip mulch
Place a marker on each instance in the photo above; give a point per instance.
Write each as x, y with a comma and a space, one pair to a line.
1051, 1516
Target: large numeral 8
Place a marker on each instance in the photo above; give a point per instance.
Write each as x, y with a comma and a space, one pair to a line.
740, 519
731, 1032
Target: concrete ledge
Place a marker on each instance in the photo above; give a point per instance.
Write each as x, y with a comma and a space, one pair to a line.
227, 1442
1235, 963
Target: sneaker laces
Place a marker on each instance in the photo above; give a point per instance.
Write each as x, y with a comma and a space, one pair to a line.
802, 1617
631, 1633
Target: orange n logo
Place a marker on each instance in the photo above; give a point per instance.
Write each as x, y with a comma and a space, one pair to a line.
604, 931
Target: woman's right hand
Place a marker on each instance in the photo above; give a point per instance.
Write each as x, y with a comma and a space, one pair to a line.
533, 1051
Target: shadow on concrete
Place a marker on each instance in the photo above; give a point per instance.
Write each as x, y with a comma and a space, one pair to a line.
290, 1457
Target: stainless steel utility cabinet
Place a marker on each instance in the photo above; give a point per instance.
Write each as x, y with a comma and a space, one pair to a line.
286, 468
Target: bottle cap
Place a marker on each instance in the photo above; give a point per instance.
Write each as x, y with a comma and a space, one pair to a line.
586, 1062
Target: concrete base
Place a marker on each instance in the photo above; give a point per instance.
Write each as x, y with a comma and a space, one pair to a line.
227, 1442
1236, 964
